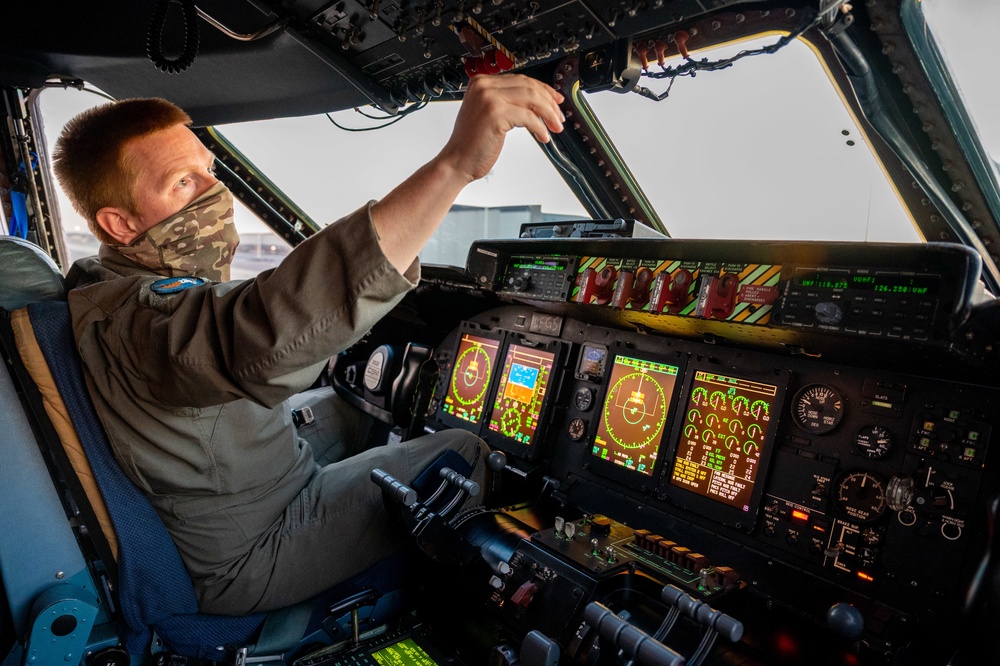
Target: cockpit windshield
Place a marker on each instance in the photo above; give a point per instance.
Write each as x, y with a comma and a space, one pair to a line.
962, 29
766, 149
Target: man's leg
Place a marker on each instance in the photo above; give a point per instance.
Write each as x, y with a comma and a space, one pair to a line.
338, 430
337, 527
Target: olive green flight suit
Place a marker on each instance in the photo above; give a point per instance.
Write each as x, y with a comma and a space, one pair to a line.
191, 389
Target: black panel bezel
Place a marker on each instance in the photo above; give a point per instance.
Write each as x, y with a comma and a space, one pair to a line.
607, 468
711, 508
509, 445
469, 328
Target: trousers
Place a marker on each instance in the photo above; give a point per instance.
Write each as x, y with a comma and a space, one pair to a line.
335, 528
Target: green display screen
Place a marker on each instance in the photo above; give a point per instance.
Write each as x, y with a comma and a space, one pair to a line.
635, 413
725, 428
470, 377
403, 653
879, 282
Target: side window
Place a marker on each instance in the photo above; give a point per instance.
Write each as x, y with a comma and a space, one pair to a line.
331, 165
260, 248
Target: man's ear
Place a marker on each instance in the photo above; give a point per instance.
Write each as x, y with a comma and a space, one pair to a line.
117, 223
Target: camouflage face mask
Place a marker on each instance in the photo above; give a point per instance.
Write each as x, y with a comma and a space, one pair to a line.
199, 240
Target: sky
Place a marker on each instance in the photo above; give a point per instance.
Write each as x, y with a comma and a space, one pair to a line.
706, 157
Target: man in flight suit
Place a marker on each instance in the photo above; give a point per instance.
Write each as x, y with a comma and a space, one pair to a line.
190, 372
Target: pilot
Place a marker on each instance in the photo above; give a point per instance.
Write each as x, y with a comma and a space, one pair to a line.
190, 372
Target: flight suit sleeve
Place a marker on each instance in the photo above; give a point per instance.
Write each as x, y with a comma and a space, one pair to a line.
263, 339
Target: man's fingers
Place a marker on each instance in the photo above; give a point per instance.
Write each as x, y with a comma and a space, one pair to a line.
525, 103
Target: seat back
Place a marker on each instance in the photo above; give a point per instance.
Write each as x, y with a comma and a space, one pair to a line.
155, 590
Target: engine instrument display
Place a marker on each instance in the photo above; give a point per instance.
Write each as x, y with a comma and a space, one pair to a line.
725, 427
521, 394
635, 412
470, 377
405, 652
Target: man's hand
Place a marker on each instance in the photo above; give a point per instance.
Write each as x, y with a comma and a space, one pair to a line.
493, 105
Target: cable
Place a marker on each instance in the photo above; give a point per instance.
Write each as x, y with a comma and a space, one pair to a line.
394, 119
691, 67
154, 37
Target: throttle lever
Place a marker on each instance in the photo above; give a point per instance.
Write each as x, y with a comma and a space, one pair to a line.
465, 487
392, 488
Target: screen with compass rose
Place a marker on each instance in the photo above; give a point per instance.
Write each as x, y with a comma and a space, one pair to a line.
520, 396
470, 377
635, 411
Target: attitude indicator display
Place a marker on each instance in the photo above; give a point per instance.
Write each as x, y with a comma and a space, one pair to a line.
521, 394
470, 378
634, 416
725, 427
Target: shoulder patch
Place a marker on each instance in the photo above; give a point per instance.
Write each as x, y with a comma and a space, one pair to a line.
174, 285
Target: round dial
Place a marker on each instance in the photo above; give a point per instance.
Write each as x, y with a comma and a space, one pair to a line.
873, 441
861, 496
576, 429
584, 399
817, 408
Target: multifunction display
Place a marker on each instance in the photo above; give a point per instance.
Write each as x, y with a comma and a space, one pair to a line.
725, 427
886, 282
521, 394
470, 377
403, 653
635, 413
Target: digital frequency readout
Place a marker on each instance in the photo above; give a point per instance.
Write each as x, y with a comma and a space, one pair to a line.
404, 653
724, 430
635, 413
523, 384
470, 378
914, 284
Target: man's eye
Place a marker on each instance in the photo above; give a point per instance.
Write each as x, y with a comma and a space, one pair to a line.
183, 182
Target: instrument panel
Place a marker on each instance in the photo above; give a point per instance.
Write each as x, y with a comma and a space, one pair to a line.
886, 293
787, 473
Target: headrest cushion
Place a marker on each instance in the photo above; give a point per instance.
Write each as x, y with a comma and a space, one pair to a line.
27, 274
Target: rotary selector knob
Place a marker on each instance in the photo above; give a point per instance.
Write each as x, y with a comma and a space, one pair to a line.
600, 525
829, 313
899, 493
519, 282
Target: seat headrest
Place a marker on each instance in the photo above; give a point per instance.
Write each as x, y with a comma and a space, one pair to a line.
27, 274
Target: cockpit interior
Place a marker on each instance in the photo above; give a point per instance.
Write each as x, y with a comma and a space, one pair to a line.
710, 447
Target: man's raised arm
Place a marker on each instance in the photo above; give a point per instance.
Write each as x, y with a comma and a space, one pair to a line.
493, 105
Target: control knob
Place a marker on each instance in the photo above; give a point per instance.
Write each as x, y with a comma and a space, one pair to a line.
600, 526
899, 492
519, 282
829, 313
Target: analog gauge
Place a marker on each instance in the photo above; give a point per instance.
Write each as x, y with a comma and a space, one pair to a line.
861, 496
576, 429
817, 409
584, 399
873, 441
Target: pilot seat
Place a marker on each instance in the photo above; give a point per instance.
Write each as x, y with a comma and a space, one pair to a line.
90, 573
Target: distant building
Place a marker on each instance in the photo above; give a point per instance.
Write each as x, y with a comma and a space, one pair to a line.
464, 224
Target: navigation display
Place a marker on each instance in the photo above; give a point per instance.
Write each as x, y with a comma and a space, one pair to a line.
725, 426
403, 653
470, 378
634, 414
523, 384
